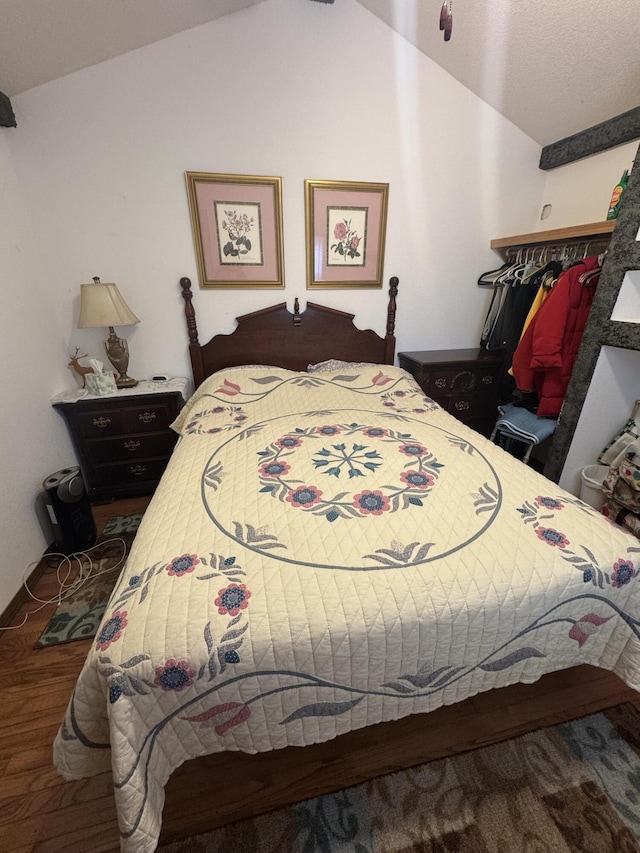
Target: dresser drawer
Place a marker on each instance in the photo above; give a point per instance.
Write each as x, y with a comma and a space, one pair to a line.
132, 446
134, 418
124, 440
466, 407
457, 380
464, 382
129, 473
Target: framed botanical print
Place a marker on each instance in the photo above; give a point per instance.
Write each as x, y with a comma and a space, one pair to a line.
346, 226
237, 229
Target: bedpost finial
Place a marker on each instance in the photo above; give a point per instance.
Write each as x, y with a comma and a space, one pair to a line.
390, 341
189, 311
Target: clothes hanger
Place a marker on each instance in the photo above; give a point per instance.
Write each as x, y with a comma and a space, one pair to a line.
587, 278
488, 279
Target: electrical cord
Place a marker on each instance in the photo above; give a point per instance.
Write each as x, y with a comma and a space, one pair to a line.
68, 586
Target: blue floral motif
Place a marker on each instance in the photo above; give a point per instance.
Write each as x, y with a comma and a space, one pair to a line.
196, 424
274, 469
621, 573
371, 503
112, 630
277, 476
183, 565
549, 503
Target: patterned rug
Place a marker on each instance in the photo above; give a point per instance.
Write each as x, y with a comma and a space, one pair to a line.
571, 787
78, 616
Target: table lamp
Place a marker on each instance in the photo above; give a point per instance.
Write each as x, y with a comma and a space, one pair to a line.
101, 304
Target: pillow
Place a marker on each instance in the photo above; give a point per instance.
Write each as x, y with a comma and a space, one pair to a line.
336, 364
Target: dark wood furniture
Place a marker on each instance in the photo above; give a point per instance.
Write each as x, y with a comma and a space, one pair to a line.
463, 381
275, 336
123, 441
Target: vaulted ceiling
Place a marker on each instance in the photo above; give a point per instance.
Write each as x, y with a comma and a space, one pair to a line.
552, 67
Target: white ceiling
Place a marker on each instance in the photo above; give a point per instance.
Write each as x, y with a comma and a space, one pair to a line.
553, 67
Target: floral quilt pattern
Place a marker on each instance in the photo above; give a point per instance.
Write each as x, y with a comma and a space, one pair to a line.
326, 551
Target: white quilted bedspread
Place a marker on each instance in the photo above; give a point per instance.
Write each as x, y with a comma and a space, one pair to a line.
327, 551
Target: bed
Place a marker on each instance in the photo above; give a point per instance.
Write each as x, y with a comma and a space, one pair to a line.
329, 549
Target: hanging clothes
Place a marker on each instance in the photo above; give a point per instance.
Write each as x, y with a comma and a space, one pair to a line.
544, 278
516, 289
544, 358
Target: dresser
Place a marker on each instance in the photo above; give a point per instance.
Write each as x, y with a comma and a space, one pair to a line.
462, 381
123, 441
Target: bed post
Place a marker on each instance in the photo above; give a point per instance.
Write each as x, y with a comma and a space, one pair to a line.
390, 341
189, 311
195, 352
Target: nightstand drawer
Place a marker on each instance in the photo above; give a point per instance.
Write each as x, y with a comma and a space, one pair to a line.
464, 382
124, 440
114, 421
465, 407
131, 446
457, 380
128, 473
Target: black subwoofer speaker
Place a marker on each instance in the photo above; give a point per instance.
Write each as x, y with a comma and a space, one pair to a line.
69, 511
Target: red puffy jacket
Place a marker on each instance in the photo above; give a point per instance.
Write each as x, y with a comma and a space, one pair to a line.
545, 356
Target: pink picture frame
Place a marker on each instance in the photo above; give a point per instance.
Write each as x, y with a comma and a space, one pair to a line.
237, 229
346, 228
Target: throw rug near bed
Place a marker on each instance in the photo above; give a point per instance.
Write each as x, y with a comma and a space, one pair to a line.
78, 617
571, 787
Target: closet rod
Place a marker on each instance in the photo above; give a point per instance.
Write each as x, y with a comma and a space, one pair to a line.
564, 236
541, 252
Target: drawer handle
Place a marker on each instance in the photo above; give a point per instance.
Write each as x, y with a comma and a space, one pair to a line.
462, 405
137, 470
131, 445
488, 380
147, 417
101, 422
441, 383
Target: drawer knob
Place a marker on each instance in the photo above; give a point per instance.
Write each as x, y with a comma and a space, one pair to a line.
462, 405
101, 422
441, 383
488, 380
137, 470
131, 445
147, 417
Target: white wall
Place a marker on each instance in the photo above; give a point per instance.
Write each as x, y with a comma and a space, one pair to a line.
34, 441
580, 192
290, 88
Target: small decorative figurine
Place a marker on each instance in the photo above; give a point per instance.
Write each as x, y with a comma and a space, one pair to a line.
79, 368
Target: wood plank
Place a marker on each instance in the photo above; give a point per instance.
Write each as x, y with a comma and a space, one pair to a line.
559, 236
60, 797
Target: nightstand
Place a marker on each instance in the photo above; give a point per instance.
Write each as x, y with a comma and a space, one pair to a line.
462, 381
123, 440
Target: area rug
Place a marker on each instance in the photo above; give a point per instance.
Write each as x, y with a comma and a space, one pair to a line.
79, 616
570, 787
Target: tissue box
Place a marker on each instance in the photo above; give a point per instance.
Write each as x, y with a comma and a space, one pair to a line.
100, 384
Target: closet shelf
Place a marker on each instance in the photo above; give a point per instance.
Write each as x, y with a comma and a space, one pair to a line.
596, 231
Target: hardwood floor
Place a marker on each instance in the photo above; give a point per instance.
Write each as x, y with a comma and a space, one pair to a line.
41, 813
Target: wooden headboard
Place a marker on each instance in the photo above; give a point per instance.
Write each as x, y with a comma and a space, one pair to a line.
276, 336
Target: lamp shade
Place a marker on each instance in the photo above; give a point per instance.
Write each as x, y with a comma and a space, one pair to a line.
101, 304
